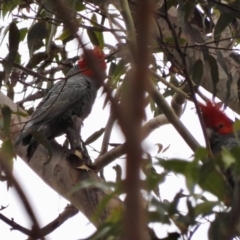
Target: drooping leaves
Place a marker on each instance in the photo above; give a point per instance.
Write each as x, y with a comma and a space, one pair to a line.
6, 116
35, 36
222, 23
94, 136
96, 37
214, 72
13, 40
6, 150
8, 6
197, 71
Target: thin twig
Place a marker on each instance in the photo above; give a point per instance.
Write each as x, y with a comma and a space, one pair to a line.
68, 212
107, 134
170, 85
172, 117
109, 126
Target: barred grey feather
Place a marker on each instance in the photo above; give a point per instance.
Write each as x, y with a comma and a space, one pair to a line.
73, 97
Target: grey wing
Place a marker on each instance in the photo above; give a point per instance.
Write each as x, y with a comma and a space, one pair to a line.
59, 98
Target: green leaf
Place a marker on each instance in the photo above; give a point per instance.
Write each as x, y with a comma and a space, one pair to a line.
13, 40
99, 34
118, 171
160, 215
171, 40
175, 165
201, 153
205, 208
23, 33
36, 59
214, 72
66, 33
6, 113
191, 214
227, 158
174, 204
231, 158
116, 214
197, 71
95, 136
49, 39
35, 37
93, 37
112, 68
19, 113
41, 138
220, 226
8, 6
192, 175
79, 6
212, 180
107, 230
222, 23
14, 37
189, 8
182, 222
153, 180
222, 62
118, 72
232, 8
7, 151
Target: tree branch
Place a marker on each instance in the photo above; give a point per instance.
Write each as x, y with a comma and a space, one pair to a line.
68, 212
172, 117
177, 102
60, 175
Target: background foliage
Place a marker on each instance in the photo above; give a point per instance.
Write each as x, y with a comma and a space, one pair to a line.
154, 50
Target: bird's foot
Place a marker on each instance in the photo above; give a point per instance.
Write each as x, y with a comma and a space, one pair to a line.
78, 154
74, 156
78, 160
73, 153
85, 167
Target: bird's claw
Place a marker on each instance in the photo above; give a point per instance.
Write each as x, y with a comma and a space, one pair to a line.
78, 154
74, 153
84, 167
77, 160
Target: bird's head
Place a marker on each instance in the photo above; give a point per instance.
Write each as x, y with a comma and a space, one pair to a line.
215, 119
87, 68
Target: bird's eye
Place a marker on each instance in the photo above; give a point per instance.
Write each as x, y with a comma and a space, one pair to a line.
220, 126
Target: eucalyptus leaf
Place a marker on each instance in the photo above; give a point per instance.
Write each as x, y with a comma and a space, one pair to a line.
95, 136
35, 36
6, 114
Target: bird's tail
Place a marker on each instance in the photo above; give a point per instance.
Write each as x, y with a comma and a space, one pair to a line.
32, 146
28, 139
